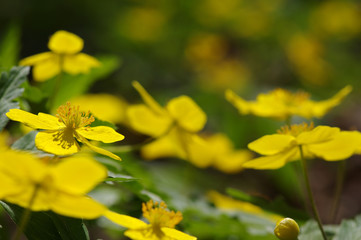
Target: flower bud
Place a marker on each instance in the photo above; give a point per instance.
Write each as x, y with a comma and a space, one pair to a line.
287, 229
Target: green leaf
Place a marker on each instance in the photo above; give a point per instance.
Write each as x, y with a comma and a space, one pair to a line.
10, 46
9, 90
75, 85
26, 142
310, 231
98, 122
349, 229
32, 93
33, 231
48, 225
70, 228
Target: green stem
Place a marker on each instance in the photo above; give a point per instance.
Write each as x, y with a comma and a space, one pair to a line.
338, 190
26, 215
310, 195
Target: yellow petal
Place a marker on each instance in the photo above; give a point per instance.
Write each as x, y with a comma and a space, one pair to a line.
40, 121
144, 234
200, 152
341, 147
47, 69
35, 59
187, 113
58, 142
63, 42
77, 206
319, 109
272, 162
159, 148
232, 162
148, 99
272, 144
100, 133
317, 135
145, 121
79, 63
175, 234
238, 102
98, 149
41, 203
124, 220
78, 175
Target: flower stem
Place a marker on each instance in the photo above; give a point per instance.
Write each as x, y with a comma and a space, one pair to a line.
310, 195
338, 190
26, 215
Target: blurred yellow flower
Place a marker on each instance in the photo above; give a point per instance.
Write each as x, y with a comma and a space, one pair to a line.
282, 104
229, 204
306, 56
340, 19
143, 24
65, 56
160, 227
204, 151
25, 179
328, 143
103, 106
61, 132
178, 122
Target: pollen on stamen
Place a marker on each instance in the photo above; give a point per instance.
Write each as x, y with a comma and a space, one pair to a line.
72, 117
295, 129
159, 216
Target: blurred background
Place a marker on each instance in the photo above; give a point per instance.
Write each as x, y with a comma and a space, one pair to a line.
201, 48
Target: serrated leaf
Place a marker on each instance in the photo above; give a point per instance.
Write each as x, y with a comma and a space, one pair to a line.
9, 90
26, 142
349, 229
310, 231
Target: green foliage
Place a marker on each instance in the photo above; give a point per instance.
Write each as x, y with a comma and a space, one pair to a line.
9, 90
53, 226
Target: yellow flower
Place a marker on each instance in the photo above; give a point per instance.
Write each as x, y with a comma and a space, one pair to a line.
287, 229
336, 19
282, 104
103, 106
61, 132
178, 122
328, 143
229, 204
65, 56
160, 227
58, 187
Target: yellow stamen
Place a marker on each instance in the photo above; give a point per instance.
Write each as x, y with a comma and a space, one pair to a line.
72, 117
296, 129
159, 216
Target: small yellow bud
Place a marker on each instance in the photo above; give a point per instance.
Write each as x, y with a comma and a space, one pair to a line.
287, 229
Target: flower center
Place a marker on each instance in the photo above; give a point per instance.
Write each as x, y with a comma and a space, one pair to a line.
295, 129
72, 117
159, 216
